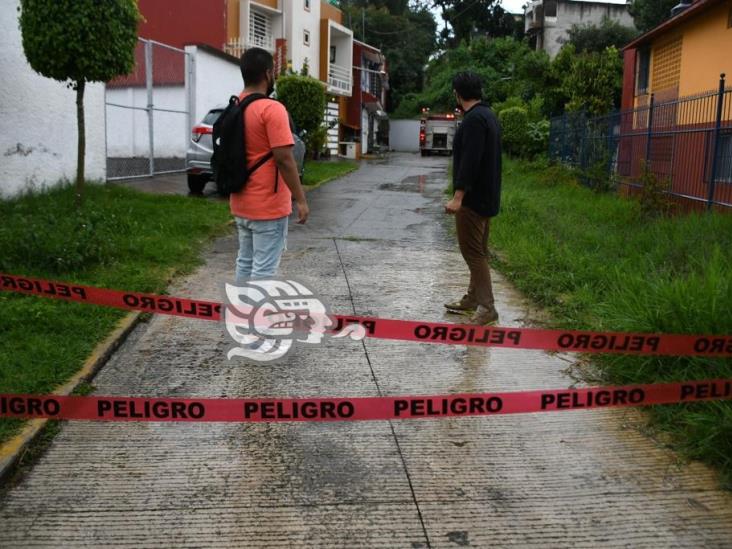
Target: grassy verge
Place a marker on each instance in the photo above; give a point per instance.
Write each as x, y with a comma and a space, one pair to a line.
595, 263
120, 239
319, 172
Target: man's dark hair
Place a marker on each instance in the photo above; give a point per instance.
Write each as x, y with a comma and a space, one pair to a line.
255, 63
468, 85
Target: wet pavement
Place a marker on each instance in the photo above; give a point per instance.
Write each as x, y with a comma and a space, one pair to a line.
377, 244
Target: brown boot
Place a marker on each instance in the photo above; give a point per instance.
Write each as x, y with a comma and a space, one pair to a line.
466, 305
484, 316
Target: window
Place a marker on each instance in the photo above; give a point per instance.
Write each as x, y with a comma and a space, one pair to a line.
260, 30
643, 64
332, 54
550, 8
307, 5
724, 158
306, 37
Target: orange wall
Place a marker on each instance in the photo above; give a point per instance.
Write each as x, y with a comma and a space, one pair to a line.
706, 51
232, 20
331, 12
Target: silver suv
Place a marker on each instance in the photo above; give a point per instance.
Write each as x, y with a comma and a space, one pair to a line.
200, 149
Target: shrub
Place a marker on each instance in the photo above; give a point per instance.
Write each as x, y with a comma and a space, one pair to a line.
654, 201
304, 97
514, 126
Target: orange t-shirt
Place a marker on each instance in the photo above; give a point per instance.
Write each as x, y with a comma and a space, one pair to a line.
266, 126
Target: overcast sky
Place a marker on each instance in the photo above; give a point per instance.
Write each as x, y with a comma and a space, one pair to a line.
515, 6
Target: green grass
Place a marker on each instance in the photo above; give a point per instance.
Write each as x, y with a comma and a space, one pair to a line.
319, 172
594, 262
120, 239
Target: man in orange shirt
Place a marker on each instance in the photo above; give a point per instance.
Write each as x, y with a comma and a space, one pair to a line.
264, 204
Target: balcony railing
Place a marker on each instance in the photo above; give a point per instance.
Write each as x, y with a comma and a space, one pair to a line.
339, 78
239, 45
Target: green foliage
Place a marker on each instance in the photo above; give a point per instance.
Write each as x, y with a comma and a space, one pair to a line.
319, 172
466, 19
118, 239
404, 33
654, 200
598, 264
514, 123
80, 40
305, 99
597, 178
525, 132
596, 38
594, 82
648, 14
509, 68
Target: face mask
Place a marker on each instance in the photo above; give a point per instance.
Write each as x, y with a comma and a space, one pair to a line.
270, 86
459, 104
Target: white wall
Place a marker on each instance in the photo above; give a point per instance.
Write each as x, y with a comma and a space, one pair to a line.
38, 131
214, 80
297, 19
404, 135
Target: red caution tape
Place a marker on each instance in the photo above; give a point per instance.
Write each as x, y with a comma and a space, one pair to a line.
114, 408
402, 330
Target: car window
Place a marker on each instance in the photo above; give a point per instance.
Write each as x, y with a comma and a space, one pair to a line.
211, 117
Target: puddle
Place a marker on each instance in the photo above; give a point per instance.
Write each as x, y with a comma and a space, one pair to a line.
416, 184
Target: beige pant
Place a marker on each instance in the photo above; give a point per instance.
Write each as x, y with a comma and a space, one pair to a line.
472, 233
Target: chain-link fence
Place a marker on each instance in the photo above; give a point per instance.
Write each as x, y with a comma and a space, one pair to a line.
147, 114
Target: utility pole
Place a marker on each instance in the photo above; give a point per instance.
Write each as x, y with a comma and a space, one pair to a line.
363, 24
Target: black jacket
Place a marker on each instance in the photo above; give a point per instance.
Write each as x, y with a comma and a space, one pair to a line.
477, 160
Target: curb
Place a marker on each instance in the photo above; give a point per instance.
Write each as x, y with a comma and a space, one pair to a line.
13, 450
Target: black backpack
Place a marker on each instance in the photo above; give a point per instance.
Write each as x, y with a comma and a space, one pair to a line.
229, 159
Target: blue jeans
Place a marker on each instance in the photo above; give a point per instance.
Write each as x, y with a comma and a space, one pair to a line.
261, 244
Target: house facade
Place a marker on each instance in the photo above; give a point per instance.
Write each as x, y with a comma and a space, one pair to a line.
300, 34
365, 118
677, 111
547, 22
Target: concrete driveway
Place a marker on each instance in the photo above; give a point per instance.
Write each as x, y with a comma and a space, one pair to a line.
377, 244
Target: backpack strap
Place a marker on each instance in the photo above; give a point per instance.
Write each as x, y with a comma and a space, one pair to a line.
243, 104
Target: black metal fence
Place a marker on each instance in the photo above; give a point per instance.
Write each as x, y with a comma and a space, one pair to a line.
686, 143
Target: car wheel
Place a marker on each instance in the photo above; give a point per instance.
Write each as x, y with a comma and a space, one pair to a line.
196, 183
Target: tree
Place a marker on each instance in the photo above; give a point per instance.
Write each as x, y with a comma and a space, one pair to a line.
305, 99
467, 19
404, 32
594, 82
648, 14
507, 66
598, 37
80, 41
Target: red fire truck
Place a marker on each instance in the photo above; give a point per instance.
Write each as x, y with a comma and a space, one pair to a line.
436, 132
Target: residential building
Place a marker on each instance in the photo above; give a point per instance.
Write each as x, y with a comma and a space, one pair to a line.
365, 116
548, 22
683, 56
677, 115
301, 35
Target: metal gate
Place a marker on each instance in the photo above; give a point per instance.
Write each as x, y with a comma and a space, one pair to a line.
147, 113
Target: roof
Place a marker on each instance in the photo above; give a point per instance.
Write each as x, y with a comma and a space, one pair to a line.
699, 6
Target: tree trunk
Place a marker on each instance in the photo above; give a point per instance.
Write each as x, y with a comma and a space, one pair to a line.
81, 143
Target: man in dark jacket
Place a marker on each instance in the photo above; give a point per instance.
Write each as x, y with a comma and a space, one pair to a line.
477, 194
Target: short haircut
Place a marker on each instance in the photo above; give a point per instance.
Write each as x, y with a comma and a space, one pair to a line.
254, 63
468, 85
